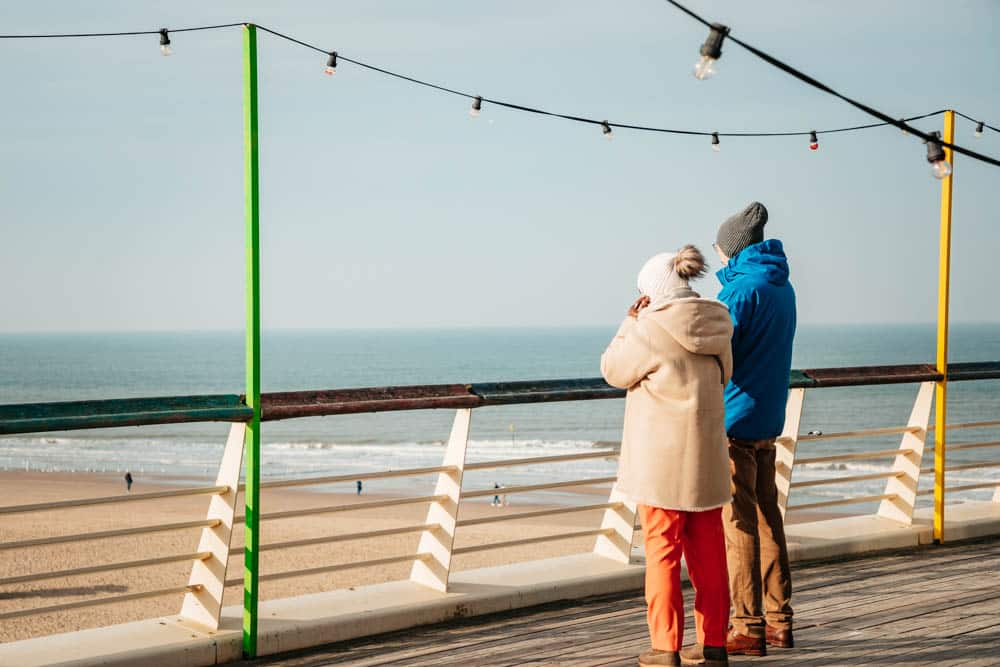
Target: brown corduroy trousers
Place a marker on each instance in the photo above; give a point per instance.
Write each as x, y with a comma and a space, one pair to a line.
760, 582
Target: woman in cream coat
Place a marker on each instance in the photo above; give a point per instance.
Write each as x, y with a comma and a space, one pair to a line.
673, 355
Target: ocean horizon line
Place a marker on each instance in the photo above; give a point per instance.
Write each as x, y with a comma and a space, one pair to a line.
450, 328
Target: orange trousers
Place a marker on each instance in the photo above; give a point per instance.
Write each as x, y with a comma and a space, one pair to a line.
700, 538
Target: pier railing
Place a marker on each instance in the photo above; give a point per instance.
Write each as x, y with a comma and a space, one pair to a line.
431, 562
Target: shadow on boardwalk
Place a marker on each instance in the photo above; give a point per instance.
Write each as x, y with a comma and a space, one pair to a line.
932, 606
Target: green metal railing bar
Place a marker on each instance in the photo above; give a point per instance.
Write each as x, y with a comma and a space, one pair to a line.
251, 563
39, 417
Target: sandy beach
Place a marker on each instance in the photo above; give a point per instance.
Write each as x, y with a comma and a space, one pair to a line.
23, 488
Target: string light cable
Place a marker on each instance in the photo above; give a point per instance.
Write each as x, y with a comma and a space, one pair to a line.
712, 50
479, 100
980, 125
123, 34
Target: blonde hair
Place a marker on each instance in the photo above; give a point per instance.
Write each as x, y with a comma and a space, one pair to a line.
689, 263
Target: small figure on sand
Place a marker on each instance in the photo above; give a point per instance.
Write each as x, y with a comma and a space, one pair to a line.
359, 487
128, 482
499, 500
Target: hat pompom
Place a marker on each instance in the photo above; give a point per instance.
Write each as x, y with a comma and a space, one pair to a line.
666, 272
689, 263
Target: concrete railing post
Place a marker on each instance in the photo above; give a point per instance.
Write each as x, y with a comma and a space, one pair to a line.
438, 543
784, 460
619, 521
907, 463
202, 606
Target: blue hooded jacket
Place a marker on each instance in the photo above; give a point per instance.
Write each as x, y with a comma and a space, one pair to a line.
762, 304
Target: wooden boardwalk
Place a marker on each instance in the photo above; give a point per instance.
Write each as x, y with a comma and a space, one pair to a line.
932, 606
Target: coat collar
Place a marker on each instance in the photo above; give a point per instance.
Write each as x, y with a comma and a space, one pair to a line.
673, 295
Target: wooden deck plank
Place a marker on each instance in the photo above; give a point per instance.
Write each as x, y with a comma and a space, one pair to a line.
934, 605
468, 634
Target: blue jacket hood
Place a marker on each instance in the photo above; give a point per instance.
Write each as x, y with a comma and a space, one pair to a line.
764, 260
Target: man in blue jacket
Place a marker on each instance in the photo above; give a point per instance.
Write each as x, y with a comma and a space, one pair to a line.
762, 304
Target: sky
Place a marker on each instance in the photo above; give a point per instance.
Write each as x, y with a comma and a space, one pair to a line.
383, 204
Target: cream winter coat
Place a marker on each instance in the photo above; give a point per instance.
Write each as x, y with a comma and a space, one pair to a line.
675, 360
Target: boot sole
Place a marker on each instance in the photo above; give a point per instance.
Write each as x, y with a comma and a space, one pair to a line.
706, 663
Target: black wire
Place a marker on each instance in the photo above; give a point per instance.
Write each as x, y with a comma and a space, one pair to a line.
366, 65
121, 34
579, 119
802, 76
210, 27
291, 39
488, 100
407, 78
834, 131
83, 34
690, 13
542, 112
974, 120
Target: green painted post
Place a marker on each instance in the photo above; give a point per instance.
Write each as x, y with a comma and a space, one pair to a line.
252, 493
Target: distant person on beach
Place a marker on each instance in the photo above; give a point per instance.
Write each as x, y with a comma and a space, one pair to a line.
128, 482
673, 354
496, 498
359, 487
761, 301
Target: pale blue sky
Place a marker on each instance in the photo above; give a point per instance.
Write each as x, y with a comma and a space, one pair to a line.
384, 204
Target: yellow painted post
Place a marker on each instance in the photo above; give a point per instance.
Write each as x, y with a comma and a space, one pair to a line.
944, 277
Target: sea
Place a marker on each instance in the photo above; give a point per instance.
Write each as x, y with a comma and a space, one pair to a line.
75, 366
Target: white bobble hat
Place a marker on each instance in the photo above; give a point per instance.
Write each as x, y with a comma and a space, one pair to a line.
657, 278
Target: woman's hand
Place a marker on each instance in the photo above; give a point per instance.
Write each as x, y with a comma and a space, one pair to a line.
640, 303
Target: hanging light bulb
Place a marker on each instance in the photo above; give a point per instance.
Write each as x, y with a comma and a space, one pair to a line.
813, 141
331, 64
711, 51
606, 129
477, 106
940, 167
165, 42
715, 142
979, 129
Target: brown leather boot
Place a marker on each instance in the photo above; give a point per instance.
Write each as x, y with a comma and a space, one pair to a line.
656, 658
739, 644
780, 638
709, 656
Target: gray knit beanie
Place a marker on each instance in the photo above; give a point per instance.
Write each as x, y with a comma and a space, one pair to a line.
742, 230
